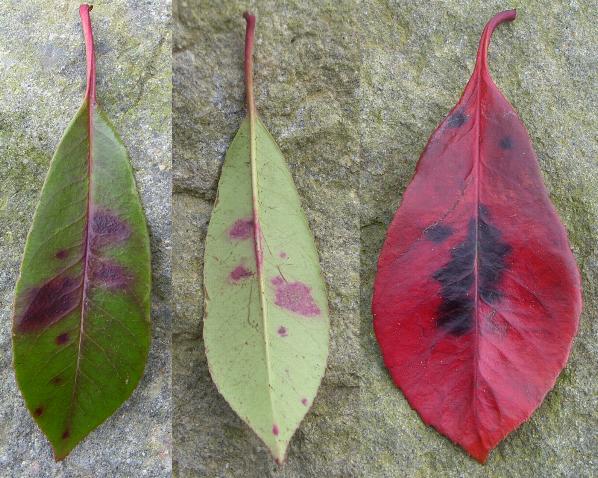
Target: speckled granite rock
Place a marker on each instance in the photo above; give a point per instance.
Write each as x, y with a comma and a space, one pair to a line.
307, 71
352, 91
42, 71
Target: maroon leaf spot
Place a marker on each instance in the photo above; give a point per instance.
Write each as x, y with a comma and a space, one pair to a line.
62, 339
66, 434
295, 296
107, 228
50, 303
38, 411
56, 381
62, 254
304, 401
283, 255
108, 274
282, 331
239, 273
241, 229
275, 429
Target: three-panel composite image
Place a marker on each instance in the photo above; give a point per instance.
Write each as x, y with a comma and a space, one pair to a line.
298, 239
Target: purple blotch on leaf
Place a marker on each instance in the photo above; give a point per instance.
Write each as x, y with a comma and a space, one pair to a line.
62, 338
62, 254
283, 255
107, 228
240, 273
282, 331
108, 274
242, 229
304, 401
295, 296
275, 430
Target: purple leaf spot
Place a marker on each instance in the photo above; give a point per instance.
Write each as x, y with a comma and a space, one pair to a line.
304, 401
38, 411
283, 255
66, 434
49, 303
240, 273
108, 274
275, 430
241, 229
282, 331
62, 254
295, 296
107, 228
62, 339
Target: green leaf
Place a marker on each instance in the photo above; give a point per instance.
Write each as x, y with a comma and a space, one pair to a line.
81, 327
266, 323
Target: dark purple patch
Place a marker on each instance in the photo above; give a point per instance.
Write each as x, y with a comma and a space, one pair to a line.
295, 296
304, 401
62, 254
457, 119
56, 381
506, 143
275, 430
38, 411
241, 229
107, 228
240, 273
62, 339
50, 303
66, 434
282, 331
108, 274
283, 255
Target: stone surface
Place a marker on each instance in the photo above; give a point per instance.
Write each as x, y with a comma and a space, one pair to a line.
42, 66
352, 91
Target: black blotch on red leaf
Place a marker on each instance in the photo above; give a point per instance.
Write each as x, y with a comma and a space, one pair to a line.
107, 228
438, 232
506, 143
456, 311
62, 339
50, 303
457, 119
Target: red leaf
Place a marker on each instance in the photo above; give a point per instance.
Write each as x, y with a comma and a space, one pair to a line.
477, 296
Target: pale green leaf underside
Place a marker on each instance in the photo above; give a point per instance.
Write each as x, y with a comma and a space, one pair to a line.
268, 364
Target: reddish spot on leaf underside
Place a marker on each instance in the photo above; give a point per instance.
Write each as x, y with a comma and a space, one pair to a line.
282, 331
294, 296
38, 412
275, 430
62, 338
62, 254
477, 295
242, 229
239, 273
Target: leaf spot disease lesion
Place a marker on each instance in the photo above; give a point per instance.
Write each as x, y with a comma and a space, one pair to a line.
239, 273
457, 119
108, 274
62, 338
506, 143
62, 254
38, 412
282, 331
275, 429
438, 232
294, 296
241, 229
457, 277
304, 401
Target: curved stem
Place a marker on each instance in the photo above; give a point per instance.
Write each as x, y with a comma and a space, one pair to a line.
482, 58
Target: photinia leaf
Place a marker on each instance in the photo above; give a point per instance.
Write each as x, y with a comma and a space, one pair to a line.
266, 321
477, 296
81, 327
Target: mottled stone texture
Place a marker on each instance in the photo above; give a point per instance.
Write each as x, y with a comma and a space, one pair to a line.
42, 76
352, 91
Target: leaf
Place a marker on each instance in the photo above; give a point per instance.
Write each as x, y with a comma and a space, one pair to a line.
266, 321
81, 327
477, 296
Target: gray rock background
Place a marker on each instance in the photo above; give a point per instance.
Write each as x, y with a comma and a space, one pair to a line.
42, 76
352, 91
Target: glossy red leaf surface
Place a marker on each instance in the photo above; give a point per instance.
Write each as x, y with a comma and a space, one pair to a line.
477, 296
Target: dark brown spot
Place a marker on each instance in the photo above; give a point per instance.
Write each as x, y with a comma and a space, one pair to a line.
506, 143
242, 229
62, 339
295, 296
239, 273
282, 331
62, 254
50, 303
38, 411
66, 434
457, 119
56, 381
